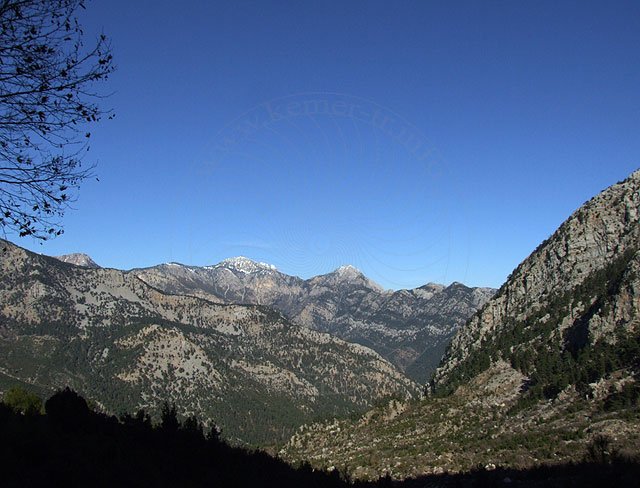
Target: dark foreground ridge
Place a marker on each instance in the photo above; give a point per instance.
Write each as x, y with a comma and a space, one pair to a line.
70, 445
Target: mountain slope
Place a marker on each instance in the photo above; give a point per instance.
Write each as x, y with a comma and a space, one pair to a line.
127, 345
576, 294
548, 364
410, 328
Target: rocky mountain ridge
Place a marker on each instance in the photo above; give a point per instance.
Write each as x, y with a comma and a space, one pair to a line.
410, 328
127, 345
558, 290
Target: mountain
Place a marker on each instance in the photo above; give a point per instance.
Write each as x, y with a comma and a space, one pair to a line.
576, 296
126, 345
546, 371
78, 259
410, 328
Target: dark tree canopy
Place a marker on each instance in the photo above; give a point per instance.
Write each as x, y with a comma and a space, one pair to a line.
67, 406
48, 97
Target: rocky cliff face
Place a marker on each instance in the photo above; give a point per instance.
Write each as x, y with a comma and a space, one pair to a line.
127, 345
410, 328
577, 288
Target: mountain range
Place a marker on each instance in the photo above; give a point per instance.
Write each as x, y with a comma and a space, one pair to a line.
410, 328
547, 371
213, 338
127, 345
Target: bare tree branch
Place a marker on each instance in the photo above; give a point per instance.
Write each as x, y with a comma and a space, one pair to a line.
47, 98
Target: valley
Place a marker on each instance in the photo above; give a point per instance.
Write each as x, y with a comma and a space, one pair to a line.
543, 371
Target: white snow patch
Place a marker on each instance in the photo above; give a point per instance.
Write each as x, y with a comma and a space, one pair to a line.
244, 265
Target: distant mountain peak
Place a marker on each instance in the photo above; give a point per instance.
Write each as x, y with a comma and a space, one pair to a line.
427, 291
350, 274
432, 286
348, 269
78, 259
244, 265
456, 284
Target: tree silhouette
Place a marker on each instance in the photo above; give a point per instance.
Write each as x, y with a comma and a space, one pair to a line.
73, 446
169, 418
67, 408
47, 98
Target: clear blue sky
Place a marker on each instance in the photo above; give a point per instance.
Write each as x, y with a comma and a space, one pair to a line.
258, 129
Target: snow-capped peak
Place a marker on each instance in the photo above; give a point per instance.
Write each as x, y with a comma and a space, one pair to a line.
348, 269
245, 265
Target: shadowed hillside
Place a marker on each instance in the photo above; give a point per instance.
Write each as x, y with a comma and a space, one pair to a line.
72, 446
